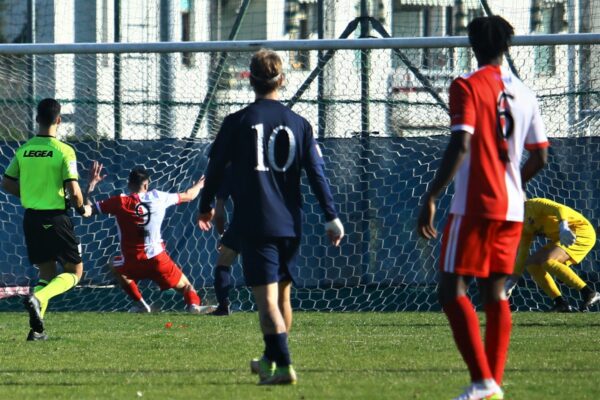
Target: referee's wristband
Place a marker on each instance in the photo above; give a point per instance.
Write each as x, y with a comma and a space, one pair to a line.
80, 210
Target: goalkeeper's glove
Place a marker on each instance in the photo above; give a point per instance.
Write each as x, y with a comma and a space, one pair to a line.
566, 236
335, 230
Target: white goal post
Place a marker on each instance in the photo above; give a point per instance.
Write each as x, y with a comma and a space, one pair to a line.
379, 107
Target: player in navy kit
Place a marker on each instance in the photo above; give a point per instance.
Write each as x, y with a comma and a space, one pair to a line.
229, 247
268, 145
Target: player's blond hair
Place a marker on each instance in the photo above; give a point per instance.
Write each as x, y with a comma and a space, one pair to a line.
266, 70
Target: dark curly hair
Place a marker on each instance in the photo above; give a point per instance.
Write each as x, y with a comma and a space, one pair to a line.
489, 37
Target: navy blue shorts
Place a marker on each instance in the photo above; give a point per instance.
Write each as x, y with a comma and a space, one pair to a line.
231, 239
269, 260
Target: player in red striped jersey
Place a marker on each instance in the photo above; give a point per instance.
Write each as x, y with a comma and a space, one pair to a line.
494, 116
139, 218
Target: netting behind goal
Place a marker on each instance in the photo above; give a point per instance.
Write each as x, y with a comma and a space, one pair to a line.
382, 123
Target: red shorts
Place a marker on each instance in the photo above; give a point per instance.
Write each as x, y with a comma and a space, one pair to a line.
160, 269
473, 246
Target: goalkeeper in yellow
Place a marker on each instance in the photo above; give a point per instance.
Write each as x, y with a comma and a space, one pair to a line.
570, 238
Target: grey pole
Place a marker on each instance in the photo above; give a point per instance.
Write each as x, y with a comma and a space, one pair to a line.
117, 73
284, 45
571, 64
31, 67
365, 67
365, 140
322, 107
585, 70
167, 71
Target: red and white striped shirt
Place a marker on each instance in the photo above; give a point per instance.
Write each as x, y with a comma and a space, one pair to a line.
139, 219
485, 103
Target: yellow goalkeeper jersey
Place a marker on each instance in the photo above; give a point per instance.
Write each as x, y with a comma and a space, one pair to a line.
541, 219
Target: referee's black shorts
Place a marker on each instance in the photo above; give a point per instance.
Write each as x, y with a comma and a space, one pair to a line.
50, 236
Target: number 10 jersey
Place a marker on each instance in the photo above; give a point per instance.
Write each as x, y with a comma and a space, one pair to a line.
267, 145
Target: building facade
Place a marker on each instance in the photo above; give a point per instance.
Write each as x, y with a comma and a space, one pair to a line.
148, 96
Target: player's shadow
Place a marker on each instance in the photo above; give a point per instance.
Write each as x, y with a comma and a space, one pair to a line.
570, 324
110, 371
41, 384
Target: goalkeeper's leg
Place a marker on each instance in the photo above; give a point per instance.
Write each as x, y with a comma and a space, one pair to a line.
555, 260
570, 278
545, 281
565, 274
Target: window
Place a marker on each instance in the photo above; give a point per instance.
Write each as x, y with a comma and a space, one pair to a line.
224, 15
464, 55
300, 23
186, 30
418, 21
547, 20
407, 22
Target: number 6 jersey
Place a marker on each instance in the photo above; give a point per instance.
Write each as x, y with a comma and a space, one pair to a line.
267, 145
139, 219
503, 117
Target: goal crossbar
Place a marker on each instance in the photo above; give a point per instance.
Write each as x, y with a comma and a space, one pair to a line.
310, 44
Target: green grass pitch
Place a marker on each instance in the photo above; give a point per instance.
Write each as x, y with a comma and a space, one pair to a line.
337, 356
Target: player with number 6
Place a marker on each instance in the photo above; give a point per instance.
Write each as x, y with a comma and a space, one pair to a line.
494, 117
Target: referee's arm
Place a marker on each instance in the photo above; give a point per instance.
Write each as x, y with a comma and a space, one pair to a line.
76, 197
11, 185
10, 181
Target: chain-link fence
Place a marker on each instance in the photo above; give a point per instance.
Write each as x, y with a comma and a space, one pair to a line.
380, 110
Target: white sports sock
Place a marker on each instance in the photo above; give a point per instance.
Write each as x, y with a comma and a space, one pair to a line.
144, 304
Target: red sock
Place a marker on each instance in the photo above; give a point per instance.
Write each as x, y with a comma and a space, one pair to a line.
497, 336
465, 328
191, 297
132, 291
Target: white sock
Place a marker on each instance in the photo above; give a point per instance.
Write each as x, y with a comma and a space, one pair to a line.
488, 383
143, 303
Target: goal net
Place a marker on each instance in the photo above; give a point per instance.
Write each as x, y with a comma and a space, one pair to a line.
381, 117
